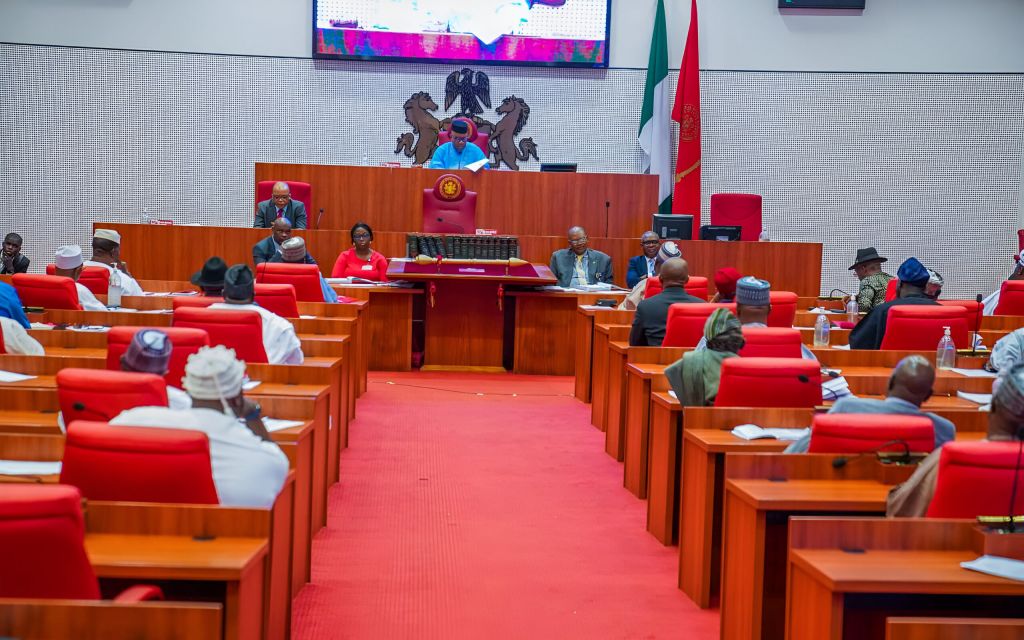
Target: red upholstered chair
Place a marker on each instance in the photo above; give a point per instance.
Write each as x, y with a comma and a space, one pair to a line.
477, 138
138, 464
771, 342
769, 382
890, 289
1011, 298
48, 292
98, 394
973, 308
975, 479
857, 432
684, 326
42, 533
920, 327
738, 209
193, 301
653, 287
783, 313
449, 207
238, 330
95, 279
696, 286
185, 342
279, 299
304, 277
301, 191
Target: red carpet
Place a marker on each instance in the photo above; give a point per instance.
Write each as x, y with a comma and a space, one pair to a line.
487, 516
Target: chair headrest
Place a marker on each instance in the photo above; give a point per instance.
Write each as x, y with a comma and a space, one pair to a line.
449, 188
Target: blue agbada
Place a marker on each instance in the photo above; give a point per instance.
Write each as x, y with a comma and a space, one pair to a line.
10, 305
447, 157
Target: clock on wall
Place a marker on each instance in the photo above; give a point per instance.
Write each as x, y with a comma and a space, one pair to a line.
821, 4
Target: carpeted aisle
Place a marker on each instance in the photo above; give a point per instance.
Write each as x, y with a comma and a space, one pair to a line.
487, 516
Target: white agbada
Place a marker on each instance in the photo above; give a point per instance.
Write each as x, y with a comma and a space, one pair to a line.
279, 339
178, 399
129, 285
247, 470
17, 341
87, 300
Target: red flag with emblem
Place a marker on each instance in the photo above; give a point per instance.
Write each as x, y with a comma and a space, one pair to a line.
686, 192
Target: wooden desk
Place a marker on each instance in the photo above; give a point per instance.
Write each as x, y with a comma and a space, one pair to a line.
389, 323
954, 629
848, 575
546, 338
586, 316
604, 334
104, 619
641, 380
761, 492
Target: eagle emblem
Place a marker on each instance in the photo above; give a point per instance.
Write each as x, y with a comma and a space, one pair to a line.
471, 88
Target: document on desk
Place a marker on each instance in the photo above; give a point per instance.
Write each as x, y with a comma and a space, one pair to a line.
478, 165
274, 424
754, 432
974, 373
977, 398
29, 467
997, 566
10, 376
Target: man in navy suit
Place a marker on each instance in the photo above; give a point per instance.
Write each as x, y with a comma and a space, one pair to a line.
652, 314
279, 206
267, 248
641, 267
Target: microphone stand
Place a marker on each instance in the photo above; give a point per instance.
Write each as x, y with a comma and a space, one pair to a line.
607, 216
977, 327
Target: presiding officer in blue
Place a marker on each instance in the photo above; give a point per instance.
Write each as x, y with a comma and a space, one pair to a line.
459, 152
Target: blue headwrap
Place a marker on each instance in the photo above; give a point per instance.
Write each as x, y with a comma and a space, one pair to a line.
10, 305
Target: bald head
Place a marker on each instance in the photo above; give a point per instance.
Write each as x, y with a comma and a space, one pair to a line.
912, 380
282, 230
674, 272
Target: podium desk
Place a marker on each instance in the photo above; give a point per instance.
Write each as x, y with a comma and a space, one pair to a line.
847, 576
604, 335
642, 379
586, 317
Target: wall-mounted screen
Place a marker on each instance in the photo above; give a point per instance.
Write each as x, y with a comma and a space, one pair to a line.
571, 33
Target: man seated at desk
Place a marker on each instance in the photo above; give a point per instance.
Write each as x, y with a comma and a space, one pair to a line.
68, 262
1005, 422
106, 253
280, 207
267, 248
279, 339
580, 265
642, 266
652, 314
13, 325
293, 250
11, 259
458, 153
913, 277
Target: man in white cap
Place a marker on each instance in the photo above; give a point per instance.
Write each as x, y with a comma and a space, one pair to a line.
652, 314
992, 301
106, 253
68, 263
279, 339
639, 291
248, 467
293, 250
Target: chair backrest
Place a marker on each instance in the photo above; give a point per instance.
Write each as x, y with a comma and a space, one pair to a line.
238, 330
653, 287
95, 279
920, 327
479, 139
48, 292
305, 278
279, 299
771, 342
743, 209
696, 286
859, 432
193, 301
3, 349
449, 207
1011, 298
684, 325
783, 313
138, 464
973, 308
185, 342
42, 533
890, 289
975, 479
99, 394
769, 382
301, 191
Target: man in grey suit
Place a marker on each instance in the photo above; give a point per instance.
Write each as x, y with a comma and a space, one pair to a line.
280, 205
580, 265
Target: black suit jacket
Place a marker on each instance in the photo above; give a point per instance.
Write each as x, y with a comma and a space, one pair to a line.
869, 332
652, 314
19, 265
266, 213
264, 250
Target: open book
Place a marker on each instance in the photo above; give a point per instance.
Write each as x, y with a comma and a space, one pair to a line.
754, 432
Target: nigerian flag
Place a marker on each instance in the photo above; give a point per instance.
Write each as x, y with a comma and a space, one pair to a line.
655, 134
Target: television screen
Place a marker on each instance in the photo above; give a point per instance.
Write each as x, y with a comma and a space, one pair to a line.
572, 33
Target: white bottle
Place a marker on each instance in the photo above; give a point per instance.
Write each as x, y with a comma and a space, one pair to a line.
821, 331
945, 354
852, 310
145, 216
763, 236
366, 159
114, 289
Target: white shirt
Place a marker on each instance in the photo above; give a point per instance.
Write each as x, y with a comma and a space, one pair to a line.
247, 471
87, 300
178, 399
129, 285
279, 339
17, 341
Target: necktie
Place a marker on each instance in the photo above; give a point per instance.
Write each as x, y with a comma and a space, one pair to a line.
650, 266
280, 213
580, 273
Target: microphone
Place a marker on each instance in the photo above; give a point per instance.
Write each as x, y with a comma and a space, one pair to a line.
1016, 480
607, 217
904, 458
462, 229
839, 290
319, 217
977, 327
78, 406
803, 378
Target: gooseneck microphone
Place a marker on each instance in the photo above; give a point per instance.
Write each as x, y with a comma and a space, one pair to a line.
977, 327
462, 229
319, 217
607, 216
904, 458
78, 406
839, 290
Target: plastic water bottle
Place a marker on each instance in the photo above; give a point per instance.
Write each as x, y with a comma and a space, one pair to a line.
852, 310
114, 289
145, 216
366, 159
821, 331
763, 236
945, 354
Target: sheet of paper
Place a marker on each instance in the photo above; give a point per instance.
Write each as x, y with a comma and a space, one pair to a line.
977, 398
308, 317
10, 376
673, 394
974, 373
29, 467
250, 385
845, 347
997, 566
94, 328
273, 424
478, 165
754, 432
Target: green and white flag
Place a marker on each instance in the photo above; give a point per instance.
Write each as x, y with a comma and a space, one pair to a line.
655, 133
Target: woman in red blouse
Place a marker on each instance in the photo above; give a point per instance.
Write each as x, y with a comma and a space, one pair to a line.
361, 261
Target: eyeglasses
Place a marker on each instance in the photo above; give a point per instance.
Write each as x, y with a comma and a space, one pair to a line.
284, 197
459, 138
361, 236
578, 240
651, 243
